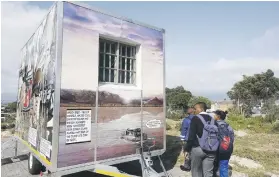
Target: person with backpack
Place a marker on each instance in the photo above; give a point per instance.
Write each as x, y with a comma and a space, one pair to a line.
202, 142
185, 127
226, 140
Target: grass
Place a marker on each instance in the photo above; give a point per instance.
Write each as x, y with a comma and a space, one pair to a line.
250, 172
255, 124
262, 148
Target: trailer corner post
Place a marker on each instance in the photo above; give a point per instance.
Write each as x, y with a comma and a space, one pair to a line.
58, 61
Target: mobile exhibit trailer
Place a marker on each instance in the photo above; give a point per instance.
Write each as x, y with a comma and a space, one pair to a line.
91, 91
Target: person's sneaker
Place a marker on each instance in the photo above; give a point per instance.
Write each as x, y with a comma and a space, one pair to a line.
183, 168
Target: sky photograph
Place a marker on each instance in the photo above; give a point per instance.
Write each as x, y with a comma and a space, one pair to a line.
208, 45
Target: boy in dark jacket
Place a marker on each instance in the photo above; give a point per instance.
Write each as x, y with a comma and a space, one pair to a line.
185, 127
202, 162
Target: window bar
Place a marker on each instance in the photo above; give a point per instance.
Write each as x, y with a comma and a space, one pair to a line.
131, 62
120, 63
134, 64
110, 63
117, 64
125, 77
104, 60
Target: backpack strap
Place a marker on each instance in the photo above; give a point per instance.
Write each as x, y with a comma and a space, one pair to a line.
212, 121
201, 118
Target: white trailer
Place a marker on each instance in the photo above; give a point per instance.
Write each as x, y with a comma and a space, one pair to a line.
91, 91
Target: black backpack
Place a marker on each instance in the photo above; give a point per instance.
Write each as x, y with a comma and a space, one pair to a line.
226, 137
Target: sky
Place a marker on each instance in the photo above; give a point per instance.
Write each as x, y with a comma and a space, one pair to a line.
208, 45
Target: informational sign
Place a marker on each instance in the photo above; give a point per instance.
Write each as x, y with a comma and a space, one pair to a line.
32, 136
78, 126
153, 123
45, 147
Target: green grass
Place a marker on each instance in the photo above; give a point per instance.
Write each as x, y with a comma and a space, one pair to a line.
262, 148
254, 124
261, 144
249, 171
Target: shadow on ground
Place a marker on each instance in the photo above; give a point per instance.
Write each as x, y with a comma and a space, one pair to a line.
171, 155
169, 159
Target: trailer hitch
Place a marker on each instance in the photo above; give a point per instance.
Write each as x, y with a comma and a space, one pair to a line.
147, 162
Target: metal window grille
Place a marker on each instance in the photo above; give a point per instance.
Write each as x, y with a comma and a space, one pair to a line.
117, 62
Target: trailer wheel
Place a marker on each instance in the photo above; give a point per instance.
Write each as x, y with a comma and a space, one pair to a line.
34, 165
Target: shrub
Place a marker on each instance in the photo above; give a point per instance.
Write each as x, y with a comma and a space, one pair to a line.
10, 119
233, 111
275, 127
178, 126
12, 125
174, 115
3, 126
168, 127
256, 124
272, 115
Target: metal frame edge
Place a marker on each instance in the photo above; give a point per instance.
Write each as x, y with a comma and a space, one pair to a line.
164, 92
58, 60
115, 16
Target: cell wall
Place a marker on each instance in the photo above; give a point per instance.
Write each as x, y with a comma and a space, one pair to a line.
113, 108
35, 103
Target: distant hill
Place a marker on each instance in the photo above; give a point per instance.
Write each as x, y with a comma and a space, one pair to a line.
68, 96
154, 101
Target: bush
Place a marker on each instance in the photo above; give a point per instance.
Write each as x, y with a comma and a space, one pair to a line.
275, 127
174, 115
233, 110
178, 126
10, 119
272, 115
168, 127
12, 125
3, 126
256, 124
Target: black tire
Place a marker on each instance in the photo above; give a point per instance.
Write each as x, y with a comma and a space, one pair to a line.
34, 165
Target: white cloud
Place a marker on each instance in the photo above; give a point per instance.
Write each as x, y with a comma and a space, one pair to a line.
19, 21
268, 43
217, 76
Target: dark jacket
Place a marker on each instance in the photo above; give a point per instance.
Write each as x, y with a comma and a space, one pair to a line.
224, 156
185, 127
196, 129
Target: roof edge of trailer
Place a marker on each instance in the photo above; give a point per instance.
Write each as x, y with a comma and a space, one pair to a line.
37, 27
116, 16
